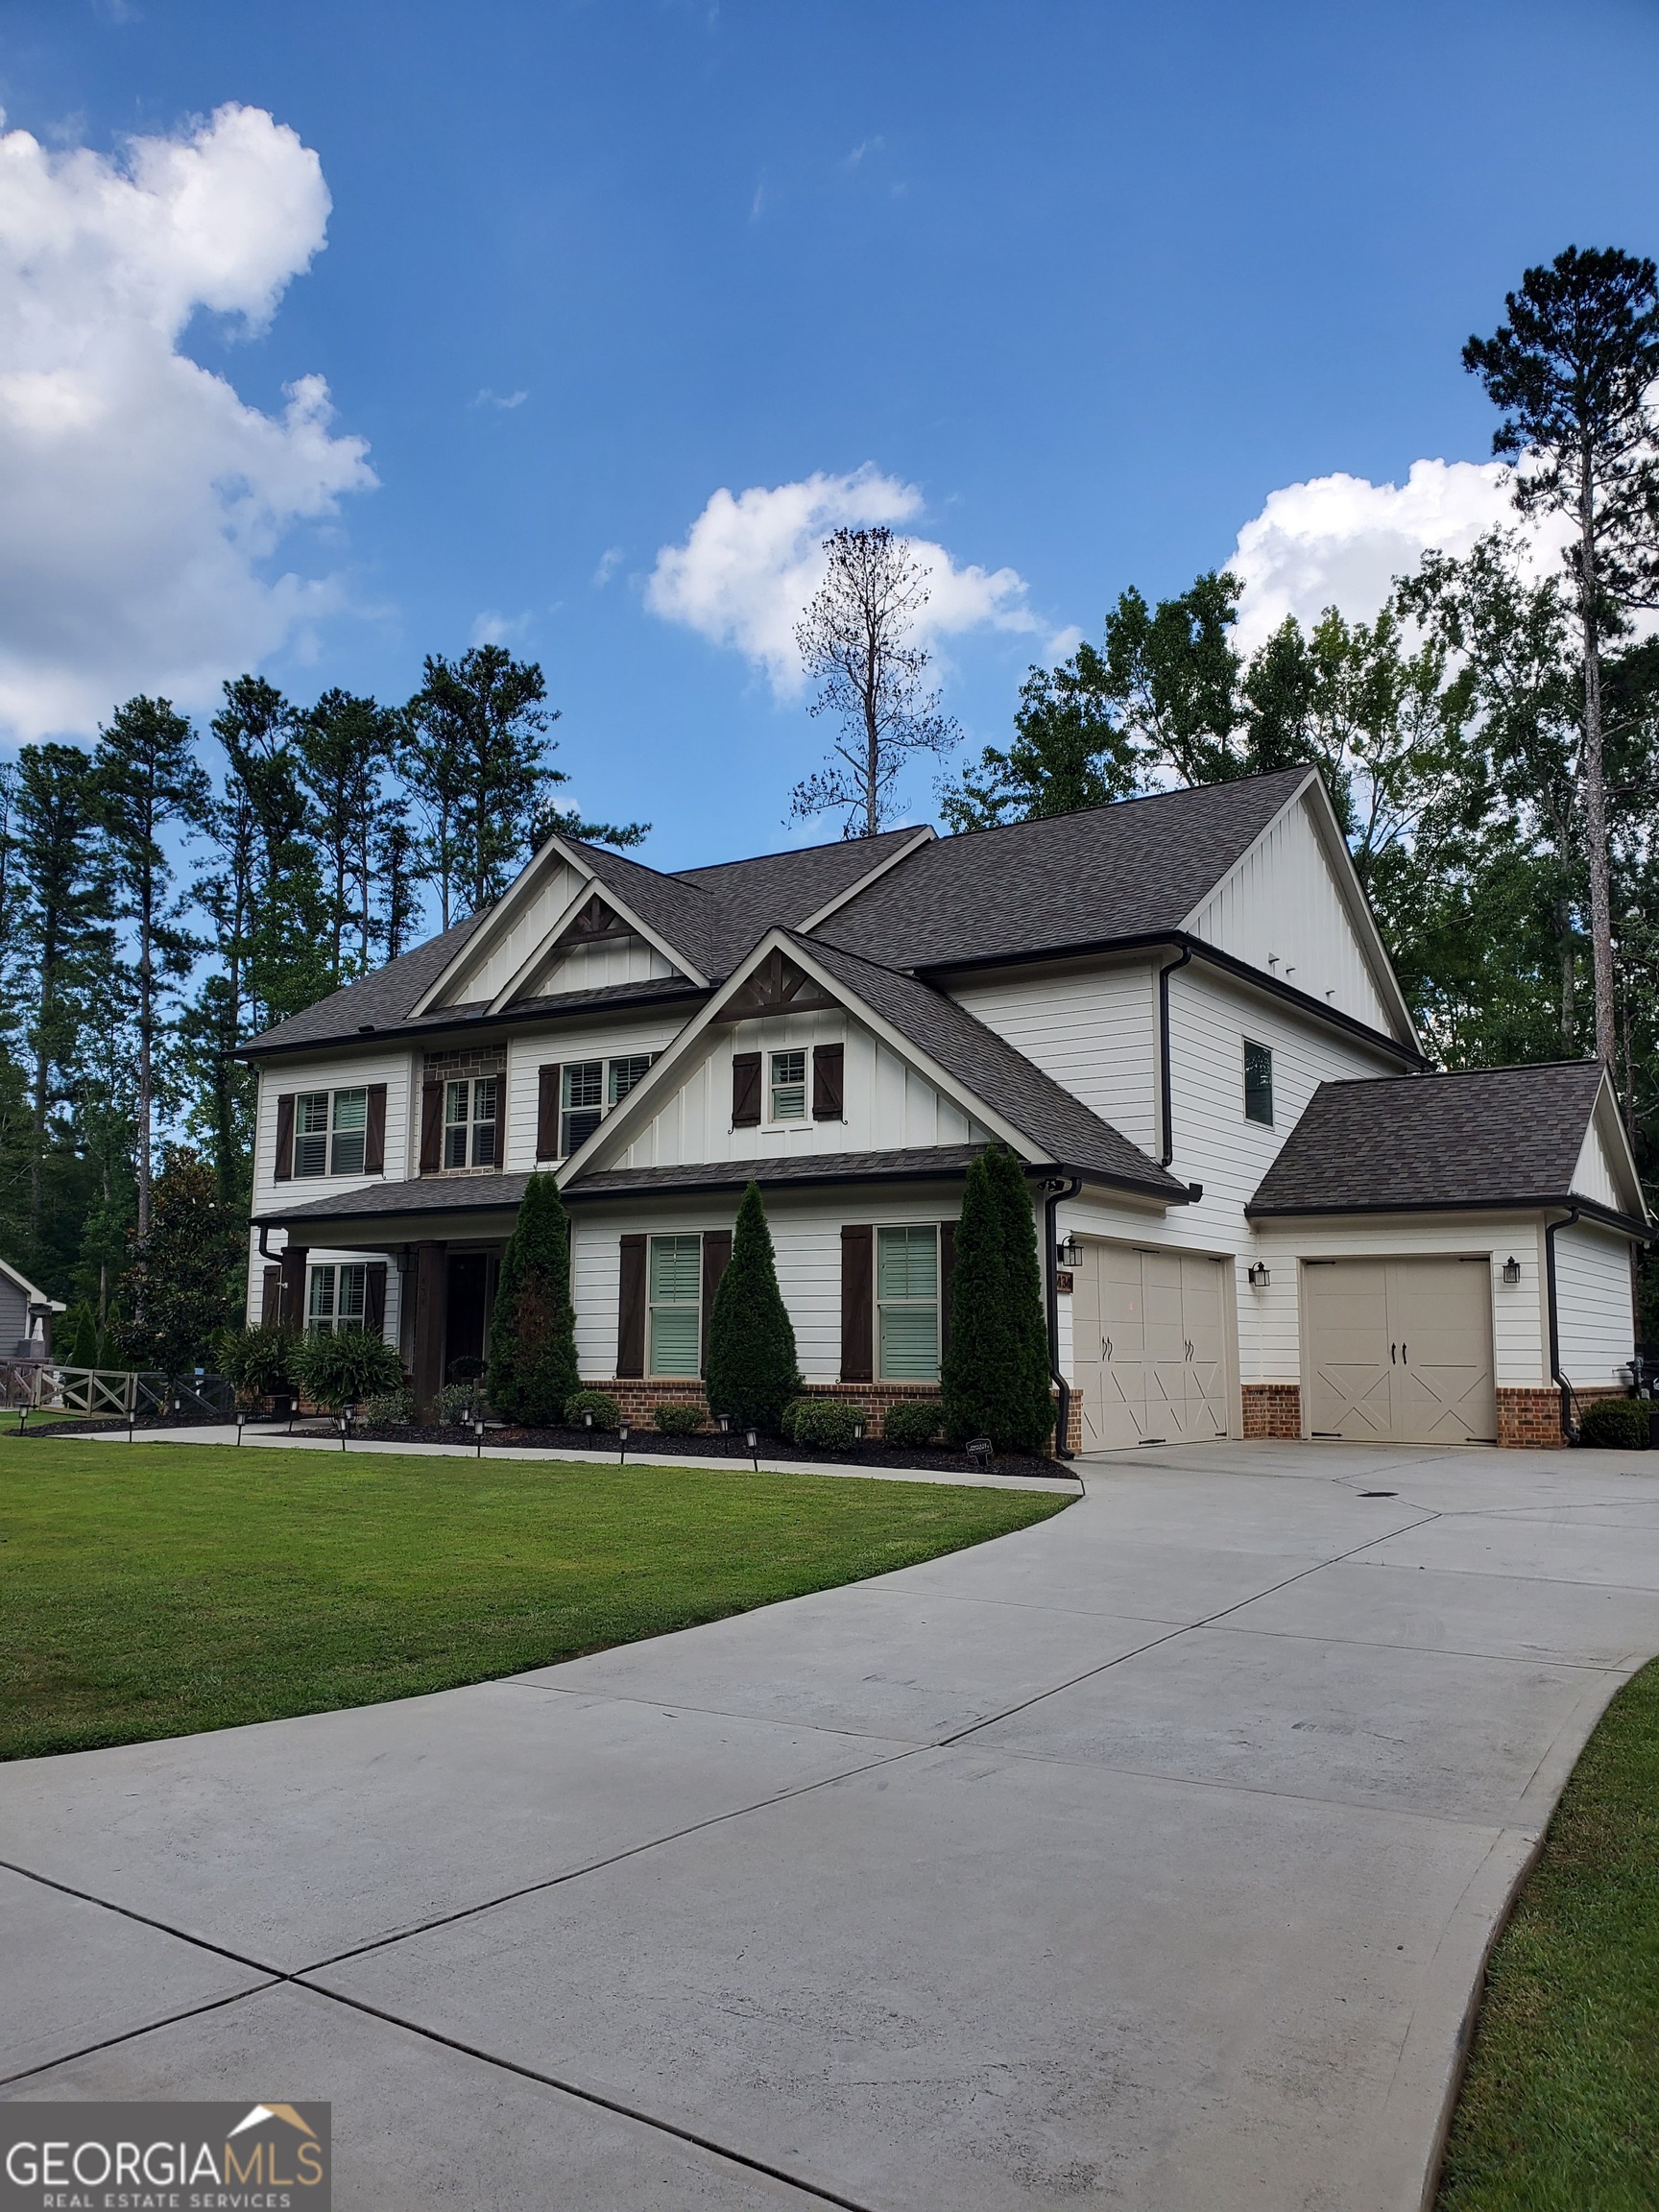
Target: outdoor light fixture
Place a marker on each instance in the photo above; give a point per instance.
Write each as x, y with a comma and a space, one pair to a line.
622, 1442
753, 1441
1260, 1278
1511, 1269
858, 1431
1068, 1252
22, 1418
346, 1413
725, 1421
241, 1421
978, 1449
587, 1420
478, 1435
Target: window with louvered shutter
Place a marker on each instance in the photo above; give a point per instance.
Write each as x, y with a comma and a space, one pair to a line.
745, 1090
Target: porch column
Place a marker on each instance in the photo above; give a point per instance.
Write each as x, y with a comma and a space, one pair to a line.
428, 1365
292, 1309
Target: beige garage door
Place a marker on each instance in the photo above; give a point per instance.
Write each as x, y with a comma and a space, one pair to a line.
1399, 1351
1150, 1346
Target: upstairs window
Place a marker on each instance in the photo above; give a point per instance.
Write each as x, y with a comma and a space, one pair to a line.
675, 1305
330, 1128
625, 1073
470, 1107
582, 1106
907, 1304
1257, 1084
788, 1085
336, 1299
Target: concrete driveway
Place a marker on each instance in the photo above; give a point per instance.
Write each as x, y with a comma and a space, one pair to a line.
1148, 1858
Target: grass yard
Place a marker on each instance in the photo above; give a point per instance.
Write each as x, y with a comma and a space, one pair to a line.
155, 1590
1560, 2107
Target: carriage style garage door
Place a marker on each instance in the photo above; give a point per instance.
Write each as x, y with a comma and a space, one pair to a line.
1399, 1351
1150, 1344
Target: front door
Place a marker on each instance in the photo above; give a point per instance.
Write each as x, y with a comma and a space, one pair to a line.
467, 1308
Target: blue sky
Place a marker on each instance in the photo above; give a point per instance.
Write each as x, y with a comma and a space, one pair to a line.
1083, 285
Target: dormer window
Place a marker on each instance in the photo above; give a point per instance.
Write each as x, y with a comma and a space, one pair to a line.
470, 1108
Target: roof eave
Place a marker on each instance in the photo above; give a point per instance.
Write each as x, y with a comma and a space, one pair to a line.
1587, 1208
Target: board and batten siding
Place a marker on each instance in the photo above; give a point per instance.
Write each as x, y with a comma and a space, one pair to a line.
1095, 1030
1281, 903
805, 1238
528, 1053
886, 1104
1598, 1328
1592, 1177
487, 970
601, 967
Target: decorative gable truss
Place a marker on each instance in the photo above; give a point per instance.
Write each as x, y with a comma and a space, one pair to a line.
556, 930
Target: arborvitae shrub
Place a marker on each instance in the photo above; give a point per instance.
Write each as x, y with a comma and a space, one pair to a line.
751, 1369
533, 1374
995, 1379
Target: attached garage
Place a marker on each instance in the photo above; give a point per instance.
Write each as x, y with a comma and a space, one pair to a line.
1399, 1351
1152, 1346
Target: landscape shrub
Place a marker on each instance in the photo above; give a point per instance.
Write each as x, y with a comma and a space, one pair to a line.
1617, 1424
994, 1376
390, 1410
533, 1370
257, 1363
344, 1368
750, 1370
914, 1422
679, 1417
83, 1340
606, 1412
456, 1400
828, 1424
790, 1414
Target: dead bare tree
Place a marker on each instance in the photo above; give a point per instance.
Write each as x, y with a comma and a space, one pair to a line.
855, 643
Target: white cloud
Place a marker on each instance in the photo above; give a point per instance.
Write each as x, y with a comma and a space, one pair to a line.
750, 563
506, 402
1340, 540
140, 499
610, 560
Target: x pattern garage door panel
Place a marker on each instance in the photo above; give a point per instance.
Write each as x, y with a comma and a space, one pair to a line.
1399, 1351
1150, 1346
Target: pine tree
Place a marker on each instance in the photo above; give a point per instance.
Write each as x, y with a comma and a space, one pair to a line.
533, 1373
750, 1370
995, 1378
82, 1339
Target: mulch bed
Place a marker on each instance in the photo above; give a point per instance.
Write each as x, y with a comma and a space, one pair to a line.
647, 1444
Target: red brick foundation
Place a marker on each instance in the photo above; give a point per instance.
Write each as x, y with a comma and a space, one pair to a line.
1273, 1410
640, 1401
1533, 1417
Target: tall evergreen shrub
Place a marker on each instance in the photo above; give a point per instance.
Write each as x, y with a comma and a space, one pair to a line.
995, 1378
751, 1366
532, 1375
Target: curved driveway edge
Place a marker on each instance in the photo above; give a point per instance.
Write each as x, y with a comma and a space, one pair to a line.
1146, 1858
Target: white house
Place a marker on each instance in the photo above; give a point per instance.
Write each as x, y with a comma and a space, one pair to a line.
1262, 1216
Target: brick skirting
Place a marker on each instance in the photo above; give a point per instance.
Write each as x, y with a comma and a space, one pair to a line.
1273, 1410
640, 1401
1533, 1417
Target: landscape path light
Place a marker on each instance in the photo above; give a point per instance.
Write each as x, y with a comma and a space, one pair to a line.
621, 1443
752, 1438
241, 1421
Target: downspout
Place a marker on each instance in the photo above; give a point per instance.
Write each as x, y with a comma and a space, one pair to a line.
1166, 1103
1062, 1187
1555, 1374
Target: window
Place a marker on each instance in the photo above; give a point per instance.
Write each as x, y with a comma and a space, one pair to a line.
330, 1132
625, 1073
676, 1306
336, 1298
351, 1132
907, 1304
1257, 1083
582, 1105
311, 1133
471, 1104
788, 1085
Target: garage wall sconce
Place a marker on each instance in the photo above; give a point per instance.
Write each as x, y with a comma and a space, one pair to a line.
1068, 1252
1260, 1278
1511, 1269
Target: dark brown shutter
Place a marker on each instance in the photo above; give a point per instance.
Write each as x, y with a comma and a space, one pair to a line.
716, 1259
745, 1090
547, 1112
375, 1132
857, 1289
375, 1298
947, 1268
295, 1263
270, 1297
631, 1309
284, 1167
431, 1128
829, 1062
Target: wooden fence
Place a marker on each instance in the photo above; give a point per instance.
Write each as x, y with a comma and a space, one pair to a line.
47, 1386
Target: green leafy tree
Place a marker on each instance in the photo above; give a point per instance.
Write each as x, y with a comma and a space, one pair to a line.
1173, 671
186, 1283
1574, 371
533, 1374
994, 1376
1069, 752
751, 1368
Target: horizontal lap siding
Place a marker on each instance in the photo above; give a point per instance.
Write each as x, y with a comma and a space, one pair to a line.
340, 1072
1593, 1302
805, 1236
318, 1255
1095, 1033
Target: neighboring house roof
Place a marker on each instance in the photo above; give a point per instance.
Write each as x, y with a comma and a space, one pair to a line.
1486, 1137
1124, 871
31, 1290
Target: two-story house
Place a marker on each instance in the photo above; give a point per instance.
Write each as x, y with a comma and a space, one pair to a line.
1261, 1213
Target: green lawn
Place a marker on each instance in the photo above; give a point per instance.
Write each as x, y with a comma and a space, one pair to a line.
1560, 2109
152, 1590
